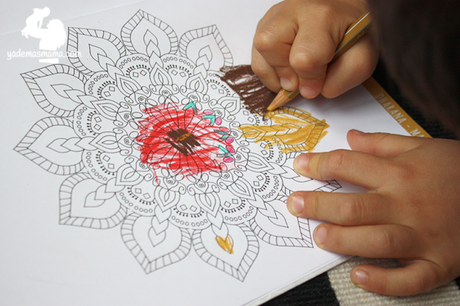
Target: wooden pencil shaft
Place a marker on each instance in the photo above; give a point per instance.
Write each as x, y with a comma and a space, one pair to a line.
353, 34
290, 94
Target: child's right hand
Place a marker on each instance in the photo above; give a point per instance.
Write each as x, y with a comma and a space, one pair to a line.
296, 40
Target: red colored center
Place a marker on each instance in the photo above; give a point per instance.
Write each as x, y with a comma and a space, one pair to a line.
181, 140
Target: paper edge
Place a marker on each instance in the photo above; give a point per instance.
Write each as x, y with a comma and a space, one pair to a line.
326, 267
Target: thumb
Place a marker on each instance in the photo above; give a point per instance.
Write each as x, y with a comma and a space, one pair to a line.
382, 144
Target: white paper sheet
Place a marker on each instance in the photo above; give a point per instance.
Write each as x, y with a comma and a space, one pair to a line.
83, 222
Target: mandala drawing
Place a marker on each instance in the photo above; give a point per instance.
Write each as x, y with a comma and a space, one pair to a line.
149, 138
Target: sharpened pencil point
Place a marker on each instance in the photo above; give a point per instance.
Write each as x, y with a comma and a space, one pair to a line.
282, 98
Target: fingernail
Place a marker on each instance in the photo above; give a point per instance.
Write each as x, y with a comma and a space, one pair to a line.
360, 277
296, 204
301, 162
308, 92
357, 132
320, 235
286, 83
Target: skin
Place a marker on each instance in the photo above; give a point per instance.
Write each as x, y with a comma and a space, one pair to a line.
411, 205
295, 42
410, 210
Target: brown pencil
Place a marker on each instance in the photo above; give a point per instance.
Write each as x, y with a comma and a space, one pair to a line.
352, 35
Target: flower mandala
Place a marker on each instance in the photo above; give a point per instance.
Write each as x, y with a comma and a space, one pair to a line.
150, 138
184, 140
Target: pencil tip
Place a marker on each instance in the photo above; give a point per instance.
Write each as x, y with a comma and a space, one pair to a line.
280, 99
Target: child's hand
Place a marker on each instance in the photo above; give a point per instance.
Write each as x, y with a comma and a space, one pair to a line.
411, 210
296, 40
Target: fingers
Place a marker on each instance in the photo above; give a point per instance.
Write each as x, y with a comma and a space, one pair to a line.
296, 41
292, 55
311, 52
377, 241
264, 71
352, 68
355, 167
382, 241
364, 166
382, 144
343, 208
271, 49
270, 59
417, 277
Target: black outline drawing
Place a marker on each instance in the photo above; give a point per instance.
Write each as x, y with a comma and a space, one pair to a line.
90, 135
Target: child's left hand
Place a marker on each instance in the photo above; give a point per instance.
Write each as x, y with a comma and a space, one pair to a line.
411, 210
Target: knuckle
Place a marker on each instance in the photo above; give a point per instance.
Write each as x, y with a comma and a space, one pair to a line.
418, 284
384, 241
317, 205
305, 60
325, 12
352, 210
264, 41
403, 171
332, 163
366, 66
430, 278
